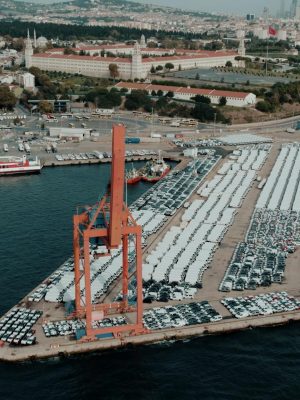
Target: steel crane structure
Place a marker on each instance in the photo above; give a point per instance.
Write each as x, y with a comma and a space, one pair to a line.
111, 224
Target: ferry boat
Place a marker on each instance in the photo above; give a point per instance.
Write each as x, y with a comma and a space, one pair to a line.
155, 170
19, 165
133, 176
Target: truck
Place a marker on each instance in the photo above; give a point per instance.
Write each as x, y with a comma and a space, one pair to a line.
48, 148
27, 148
20, 147
291, 130
132, 140
5, 147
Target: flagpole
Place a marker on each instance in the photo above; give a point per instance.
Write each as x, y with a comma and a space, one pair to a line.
267, 54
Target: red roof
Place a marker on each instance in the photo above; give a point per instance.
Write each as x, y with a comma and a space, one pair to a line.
78, 57
184, 90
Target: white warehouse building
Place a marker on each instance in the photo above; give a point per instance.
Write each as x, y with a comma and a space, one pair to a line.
69, 133
235, 99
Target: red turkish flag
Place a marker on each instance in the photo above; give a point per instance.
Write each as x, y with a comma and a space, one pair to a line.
272, 31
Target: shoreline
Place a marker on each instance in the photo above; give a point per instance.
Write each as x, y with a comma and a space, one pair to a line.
226, 326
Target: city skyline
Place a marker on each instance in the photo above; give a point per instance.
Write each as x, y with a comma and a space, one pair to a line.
217, 6
229, 6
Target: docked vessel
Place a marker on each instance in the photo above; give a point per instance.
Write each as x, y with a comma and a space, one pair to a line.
155, 170
19, 165
133, 176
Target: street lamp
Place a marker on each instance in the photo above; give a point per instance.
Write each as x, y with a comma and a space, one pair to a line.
215, 121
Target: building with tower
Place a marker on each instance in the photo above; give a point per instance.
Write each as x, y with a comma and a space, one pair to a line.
28, 51
133, 62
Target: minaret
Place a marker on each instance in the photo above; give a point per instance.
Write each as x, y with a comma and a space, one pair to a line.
28, 51
143, 42
136, 62
34, 39
242, 50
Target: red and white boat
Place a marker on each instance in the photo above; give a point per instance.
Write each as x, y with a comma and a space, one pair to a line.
155, 170
19, 165
133, 176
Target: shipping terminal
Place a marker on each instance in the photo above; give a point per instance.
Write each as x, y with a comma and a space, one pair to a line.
210, 248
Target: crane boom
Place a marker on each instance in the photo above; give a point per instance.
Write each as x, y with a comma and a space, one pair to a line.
117, 186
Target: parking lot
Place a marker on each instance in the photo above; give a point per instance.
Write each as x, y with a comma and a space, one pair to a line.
97, 155
181, 315
264, 304
16, 326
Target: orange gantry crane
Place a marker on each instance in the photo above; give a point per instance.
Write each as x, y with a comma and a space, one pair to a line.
110, 223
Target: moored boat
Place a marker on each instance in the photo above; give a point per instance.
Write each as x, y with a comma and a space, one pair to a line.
19, 165
155, 170
133, 176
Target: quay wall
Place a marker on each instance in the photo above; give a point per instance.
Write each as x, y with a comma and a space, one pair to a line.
226, 326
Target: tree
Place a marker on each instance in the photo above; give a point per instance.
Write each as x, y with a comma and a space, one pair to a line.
203, 112
263, 106
160, 93
222, 101
159, 68
138, 99
45, 107
7, 98
113, 71
170, 94
202, 99
228, 64
67, 51
18, 44
152, 70
169, 66
153, 93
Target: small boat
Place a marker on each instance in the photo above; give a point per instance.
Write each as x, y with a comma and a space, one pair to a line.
133, 176
155, 170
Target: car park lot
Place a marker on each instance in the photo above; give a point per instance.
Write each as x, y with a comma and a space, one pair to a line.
156, 291
16, 326
94, 155
62, 328
274, 229
253, 266
261, 305
72, 326
186, 251
180, 315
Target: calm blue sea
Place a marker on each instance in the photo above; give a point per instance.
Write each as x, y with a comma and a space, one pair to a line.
36, 237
